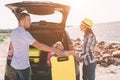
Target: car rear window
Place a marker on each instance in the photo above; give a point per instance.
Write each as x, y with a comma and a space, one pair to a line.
56, 17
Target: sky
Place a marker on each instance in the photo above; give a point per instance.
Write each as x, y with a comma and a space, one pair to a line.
99, 11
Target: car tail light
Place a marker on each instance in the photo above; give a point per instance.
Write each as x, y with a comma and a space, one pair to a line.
10, 55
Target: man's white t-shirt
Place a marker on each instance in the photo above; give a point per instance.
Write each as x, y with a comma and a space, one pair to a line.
21, 40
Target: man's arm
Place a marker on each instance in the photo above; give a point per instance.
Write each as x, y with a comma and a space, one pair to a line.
67, 53
43, 47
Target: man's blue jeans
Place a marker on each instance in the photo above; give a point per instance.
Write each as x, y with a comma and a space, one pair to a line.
24, 74
89, 71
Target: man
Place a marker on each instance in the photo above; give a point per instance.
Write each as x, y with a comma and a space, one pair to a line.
20, 42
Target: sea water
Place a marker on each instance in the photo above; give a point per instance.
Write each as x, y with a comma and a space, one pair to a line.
103, 33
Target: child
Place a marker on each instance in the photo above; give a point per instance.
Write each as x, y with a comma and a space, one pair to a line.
59, 45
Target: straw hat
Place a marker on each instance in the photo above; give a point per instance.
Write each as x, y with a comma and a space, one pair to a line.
88, 22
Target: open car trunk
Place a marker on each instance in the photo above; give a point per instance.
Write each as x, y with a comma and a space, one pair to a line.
40, 8
44, 32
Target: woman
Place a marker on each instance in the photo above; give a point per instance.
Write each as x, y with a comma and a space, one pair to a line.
87, 54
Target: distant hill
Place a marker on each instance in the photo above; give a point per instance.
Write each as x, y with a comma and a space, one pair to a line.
113, 24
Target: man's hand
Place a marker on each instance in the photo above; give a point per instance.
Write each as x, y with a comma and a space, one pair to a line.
59, 53
67, 53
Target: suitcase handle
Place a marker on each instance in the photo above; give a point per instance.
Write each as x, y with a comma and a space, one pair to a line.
63, 58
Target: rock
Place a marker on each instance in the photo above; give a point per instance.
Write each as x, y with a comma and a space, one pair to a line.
101, 43
113, 72
107, 51
117, 61
106, 56
104, 64
116, 54
108, 46
115, 46
119, 48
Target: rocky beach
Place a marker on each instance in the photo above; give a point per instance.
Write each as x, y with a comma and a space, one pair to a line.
108, 53
108, 59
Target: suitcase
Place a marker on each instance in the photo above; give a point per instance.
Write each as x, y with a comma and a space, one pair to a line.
63, 68
34, 55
